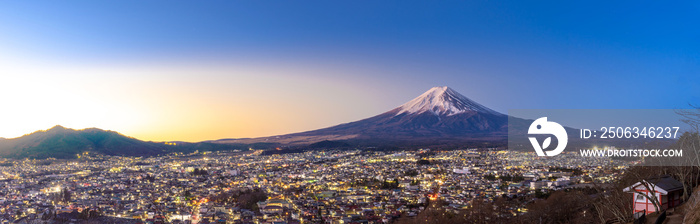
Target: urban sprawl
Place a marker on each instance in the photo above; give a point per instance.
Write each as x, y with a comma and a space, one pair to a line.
255, 187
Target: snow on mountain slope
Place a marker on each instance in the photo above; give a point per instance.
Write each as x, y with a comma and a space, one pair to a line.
442, 101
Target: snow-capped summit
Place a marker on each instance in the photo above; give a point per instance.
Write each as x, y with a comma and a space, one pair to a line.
442, 101
441, 112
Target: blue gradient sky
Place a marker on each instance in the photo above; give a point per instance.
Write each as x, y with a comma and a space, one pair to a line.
173, 70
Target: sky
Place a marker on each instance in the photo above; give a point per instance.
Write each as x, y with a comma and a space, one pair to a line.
193, 70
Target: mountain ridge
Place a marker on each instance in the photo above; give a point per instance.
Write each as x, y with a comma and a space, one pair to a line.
439, 113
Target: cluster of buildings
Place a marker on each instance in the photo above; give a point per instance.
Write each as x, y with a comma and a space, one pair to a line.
311, 187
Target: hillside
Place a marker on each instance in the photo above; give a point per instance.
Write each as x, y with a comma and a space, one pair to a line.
60, 142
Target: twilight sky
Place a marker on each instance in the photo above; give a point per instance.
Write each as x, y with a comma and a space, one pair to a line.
201, 70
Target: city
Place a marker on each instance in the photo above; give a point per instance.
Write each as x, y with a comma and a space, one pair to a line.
250, 187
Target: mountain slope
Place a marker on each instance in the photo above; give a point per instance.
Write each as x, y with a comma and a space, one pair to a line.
438, 115
60, 142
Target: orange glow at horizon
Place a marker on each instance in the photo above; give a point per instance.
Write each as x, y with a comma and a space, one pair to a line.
175, 102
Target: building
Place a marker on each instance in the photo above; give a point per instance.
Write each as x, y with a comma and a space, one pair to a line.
464, 170
536, 185
665, 189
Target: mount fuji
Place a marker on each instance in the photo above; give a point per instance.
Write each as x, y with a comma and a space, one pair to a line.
440, 116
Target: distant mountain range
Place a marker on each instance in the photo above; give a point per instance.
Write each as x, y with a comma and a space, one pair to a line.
65, 143
440, 116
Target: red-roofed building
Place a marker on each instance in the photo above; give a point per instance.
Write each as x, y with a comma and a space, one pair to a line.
665, 189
